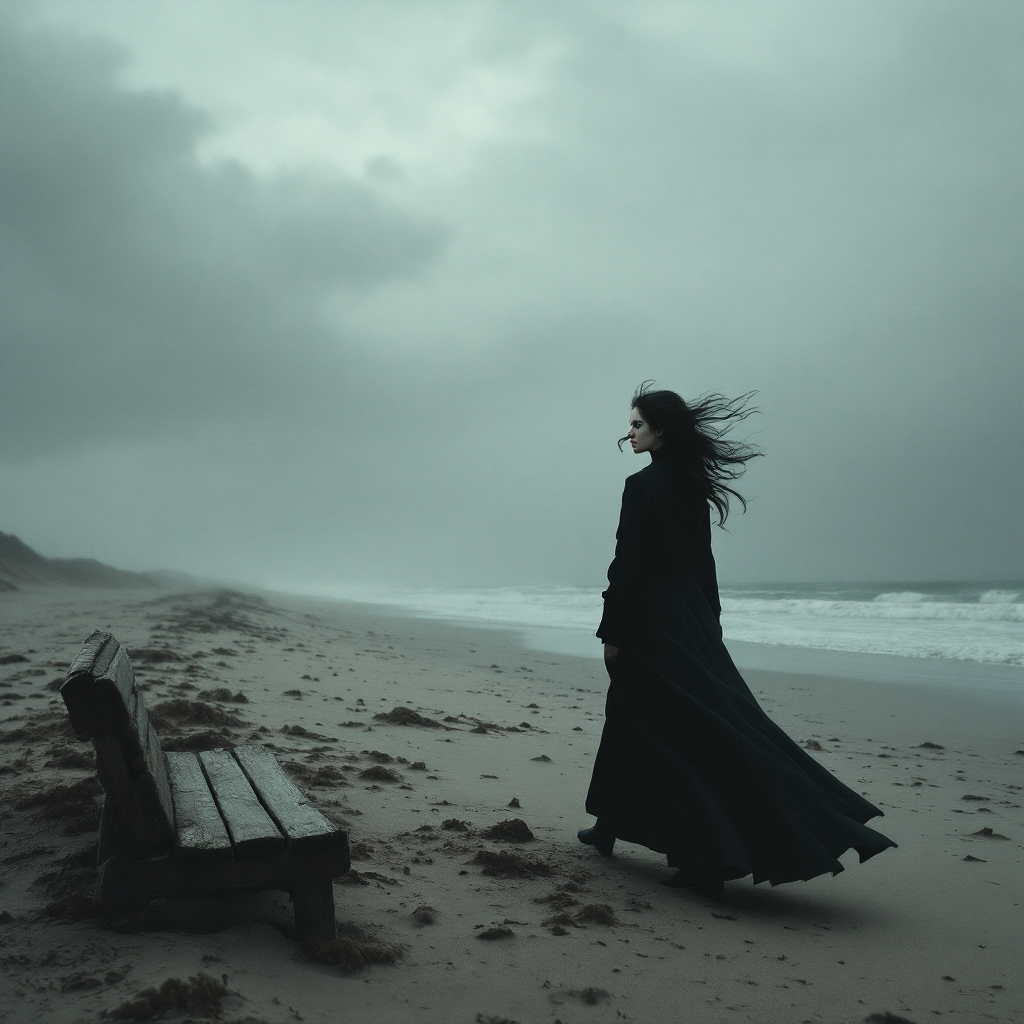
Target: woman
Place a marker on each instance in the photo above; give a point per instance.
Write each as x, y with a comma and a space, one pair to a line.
689, 765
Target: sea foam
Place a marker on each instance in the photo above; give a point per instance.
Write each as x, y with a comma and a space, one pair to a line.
951, 621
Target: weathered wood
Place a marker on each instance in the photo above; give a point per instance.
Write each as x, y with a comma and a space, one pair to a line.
140, 750
99, 699
313, 902
306, 828
96, 654
176, 823
200, 832
253, 832
120, 674
106, 842
131, 769
153, 794
135, 881
140, 834
135, 735
156, 768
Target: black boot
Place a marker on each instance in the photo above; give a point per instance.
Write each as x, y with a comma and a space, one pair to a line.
600, 837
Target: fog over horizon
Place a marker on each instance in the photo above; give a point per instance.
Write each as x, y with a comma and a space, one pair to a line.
311, 294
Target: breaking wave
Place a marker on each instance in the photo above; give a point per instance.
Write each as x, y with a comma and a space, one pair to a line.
951, 621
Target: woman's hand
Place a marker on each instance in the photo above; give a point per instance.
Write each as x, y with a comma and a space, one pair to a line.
611, 652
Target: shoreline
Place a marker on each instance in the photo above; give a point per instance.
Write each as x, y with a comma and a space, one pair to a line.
959, 624
880, 937
816, 661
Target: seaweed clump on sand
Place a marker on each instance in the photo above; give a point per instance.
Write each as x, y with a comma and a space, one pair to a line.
63, 755
74, 803
378, 773
303, 733
199, 996
175, 716
224, 695
178, 712
224, 611
512, 830
325, 775
352, 954
593, 913
596, 913
558, 900
424, 914
511, 865
987, 833
71, 890
207, 739
406, 716
47, 727
590, 995
154, 655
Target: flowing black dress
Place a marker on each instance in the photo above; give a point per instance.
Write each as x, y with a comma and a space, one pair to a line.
689, 765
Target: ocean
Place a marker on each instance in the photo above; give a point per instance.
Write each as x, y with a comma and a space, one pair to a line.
955, 623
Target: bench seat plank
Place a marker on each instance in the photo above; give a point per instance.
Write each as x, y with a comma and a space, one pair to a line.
201, 834
306, 828
253, 832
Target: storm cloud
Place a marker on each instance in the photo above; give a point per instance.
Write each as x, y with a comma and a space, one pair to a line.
140, 287
321, 294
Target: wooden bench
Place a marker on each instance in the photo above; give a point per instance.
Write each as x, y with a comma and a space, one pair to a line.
184, 823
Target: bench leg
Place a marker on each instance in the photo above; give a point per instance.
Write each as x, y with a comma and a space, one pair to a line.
314, 910
118, 898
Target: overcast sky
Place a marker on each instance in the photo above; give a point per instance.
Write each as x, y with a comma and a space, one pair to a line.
316, 293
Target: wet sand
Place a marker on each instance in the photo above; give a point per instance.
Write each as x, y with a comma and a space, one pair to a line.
491, 925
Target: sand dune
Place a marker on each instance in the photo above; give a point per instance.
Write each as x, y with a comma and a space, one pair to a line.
458, 761
21, 566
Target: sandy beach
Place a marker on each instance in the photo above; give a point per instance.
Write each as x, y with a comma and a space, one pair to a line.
554, 933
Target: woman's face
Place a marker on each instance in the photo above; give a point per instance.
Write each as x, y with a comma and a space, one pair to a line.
640, 434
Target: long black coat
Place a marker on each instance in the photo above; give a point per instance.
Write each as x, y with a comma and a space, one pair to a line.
689, 765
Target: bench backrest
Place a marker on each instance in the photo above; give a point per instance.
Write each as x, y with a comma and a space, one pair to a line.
107, 707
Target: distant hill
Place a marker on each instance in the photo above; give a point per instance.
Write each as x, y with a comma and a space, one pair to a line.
21, 566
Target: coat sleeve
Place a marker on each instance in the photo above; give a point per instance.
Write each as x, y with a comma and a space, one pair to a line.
625, 574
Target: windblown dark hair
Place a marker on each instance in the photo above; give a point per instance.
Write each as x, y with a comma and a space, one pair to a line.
694, 439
